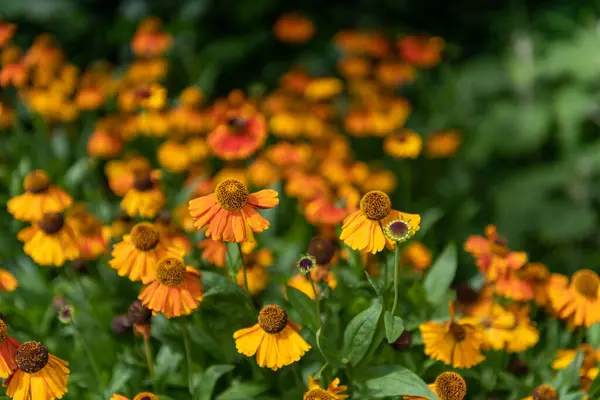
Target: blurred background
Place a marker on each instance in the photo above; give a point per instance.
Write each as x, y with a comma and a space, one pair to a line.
519, 79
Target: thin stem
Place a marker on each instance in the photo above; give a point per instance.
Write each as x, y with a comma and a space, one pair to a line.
314, 288
188, 353
244, 268
322, 370
89, 354
150, 361
396, 268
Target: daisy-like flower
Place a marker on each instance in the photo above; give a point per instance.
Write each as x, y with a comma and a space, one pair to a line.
496, 327
39, 374
363, 228
8, 352
331, 207
239, 137
145, 198
455, 342
578, 301
51, 241
333, 392
176, 291
90, 237
416, 255
8, 283
40, 197
214, 252
404, 144
448, 386
274, 339
230, 212
524, 334
258, 278
543, 392
138, 254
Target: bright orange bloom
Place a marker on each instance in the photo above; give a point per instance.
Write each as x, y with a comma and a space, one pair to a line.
8, 283
394, 73
90, 238
354, 67
239, 137
356, 42
176, 291
7, 30
294, 28
230, 213
214, 251
150, 40
417, 255
577, 301
442, 144
422, 51
404, 144
14, 70
105, 141
331, 208
121, 173
8, 352
323, 88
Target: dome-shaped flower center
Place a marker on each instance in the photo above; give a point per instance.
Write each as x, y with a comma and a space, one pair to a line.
376, 205
32, 357
146, 396
232, 195
142, 181
544, 392
144, 236
51, 223
458, 331
37, 181
322, 250
3, 332
272, 319
170, 272
318, 394
450, 386
586, 282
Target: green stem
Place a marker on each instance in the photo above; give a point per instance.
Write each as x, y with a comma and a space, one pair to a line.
188, 353
396, 268
89, 355
318, 376
244, 269
314, 288
150, 362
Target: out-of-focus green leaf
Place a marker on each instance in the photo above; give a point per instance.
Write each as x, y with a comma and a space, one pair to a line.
394, 326
242, 391
329, 350
395, 381
359, 334
441, 274
209, 379
305, 307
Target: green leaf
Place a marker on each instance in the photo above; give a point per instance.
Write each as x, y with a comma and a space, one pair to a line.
394, 381
594, 390
376, 285
569, 377
359, 334
209, 380
305, 307
120, 377
167, 362
60, 144
394, 326
441, 274
329, 350
593, 335
242, 391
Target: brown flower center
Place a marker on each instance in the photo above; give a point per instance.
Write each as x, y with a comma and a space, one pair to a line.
170, 272
32, 357
458, 331
586, 282
143, 181
3, 332
146, 396
376, 205
37, 181
51, 223
237, 124
318, 394
232, 195
465, 294
272, 319
450, 386
145, 236
544, 392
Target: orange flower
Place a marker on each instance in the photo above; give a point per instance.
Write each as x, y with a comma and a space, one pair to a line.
40, 197
145, 197
331, 208
167, 229
404, 144
8, 352
230, 213
354, 67
323, 88
262, 173
104, 144
173, 155
422, 51
7, 30
214, 251
417, 255
239, 137
90, 239
579, 300
176, 291
121, 173
8, 283
442, 144
319, 274
394, 73
287, 155
356, 42
293, 28
14, 69
150, 40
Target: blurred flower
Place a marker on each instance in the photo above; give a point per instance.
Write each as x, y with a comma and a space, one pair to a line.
577, 301
238, 137
176, 291
173, 155
261, 173
40, 197
394, 73
150, 40
139, 396
214, 251
105, 141
274, 339
447, 386
356, 42
323, 89
322, 249
496, 327
145, 198
379, 179
543, 392
416, 255
121, 173
455, 342
319, 274
8, 352
8, 283
39, 374
137, 313
119, 227
167, 229
7, 30
65, 314
258, 278
50, 241
230, 212
354, 67
524, 334
422, 51
333, 392
7, 116
14, 71
138, 254
442, 144
363, 229
293, 28
404, 144
121, 324
90, 238
472, 302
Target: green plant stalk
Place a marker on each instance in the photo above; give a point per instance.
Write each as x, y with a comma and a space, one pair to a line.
90, 356
188, 354
396, 271
314, 288
244, 269
150, 361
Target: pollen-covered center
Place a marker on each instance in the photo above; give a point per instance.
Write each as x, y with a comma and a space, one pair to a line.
232, 195
272, 319
144, 236
51, 222
146, 396
37, 181
458, 331
3, 332
450, 386
142, 181
586, 282
376, 205
318, 394
544, 392
170, 272
31, 357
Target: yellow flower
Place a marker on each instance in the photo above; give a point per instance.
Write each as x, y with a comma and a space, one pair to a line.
579, 302
274, 339
524, 334
448, 386
496, 326
323, 88
543, 392
174, 156
333, 392
8, 283
417, 255
457, 343
442, 144
145, 198
404, 144
258, 278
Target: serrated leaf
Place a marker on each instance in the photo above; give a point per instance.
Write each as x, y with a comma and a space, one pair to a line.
360, 332
305, 307
329, 350
394, 326
395, 381
441, 274
209, 379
